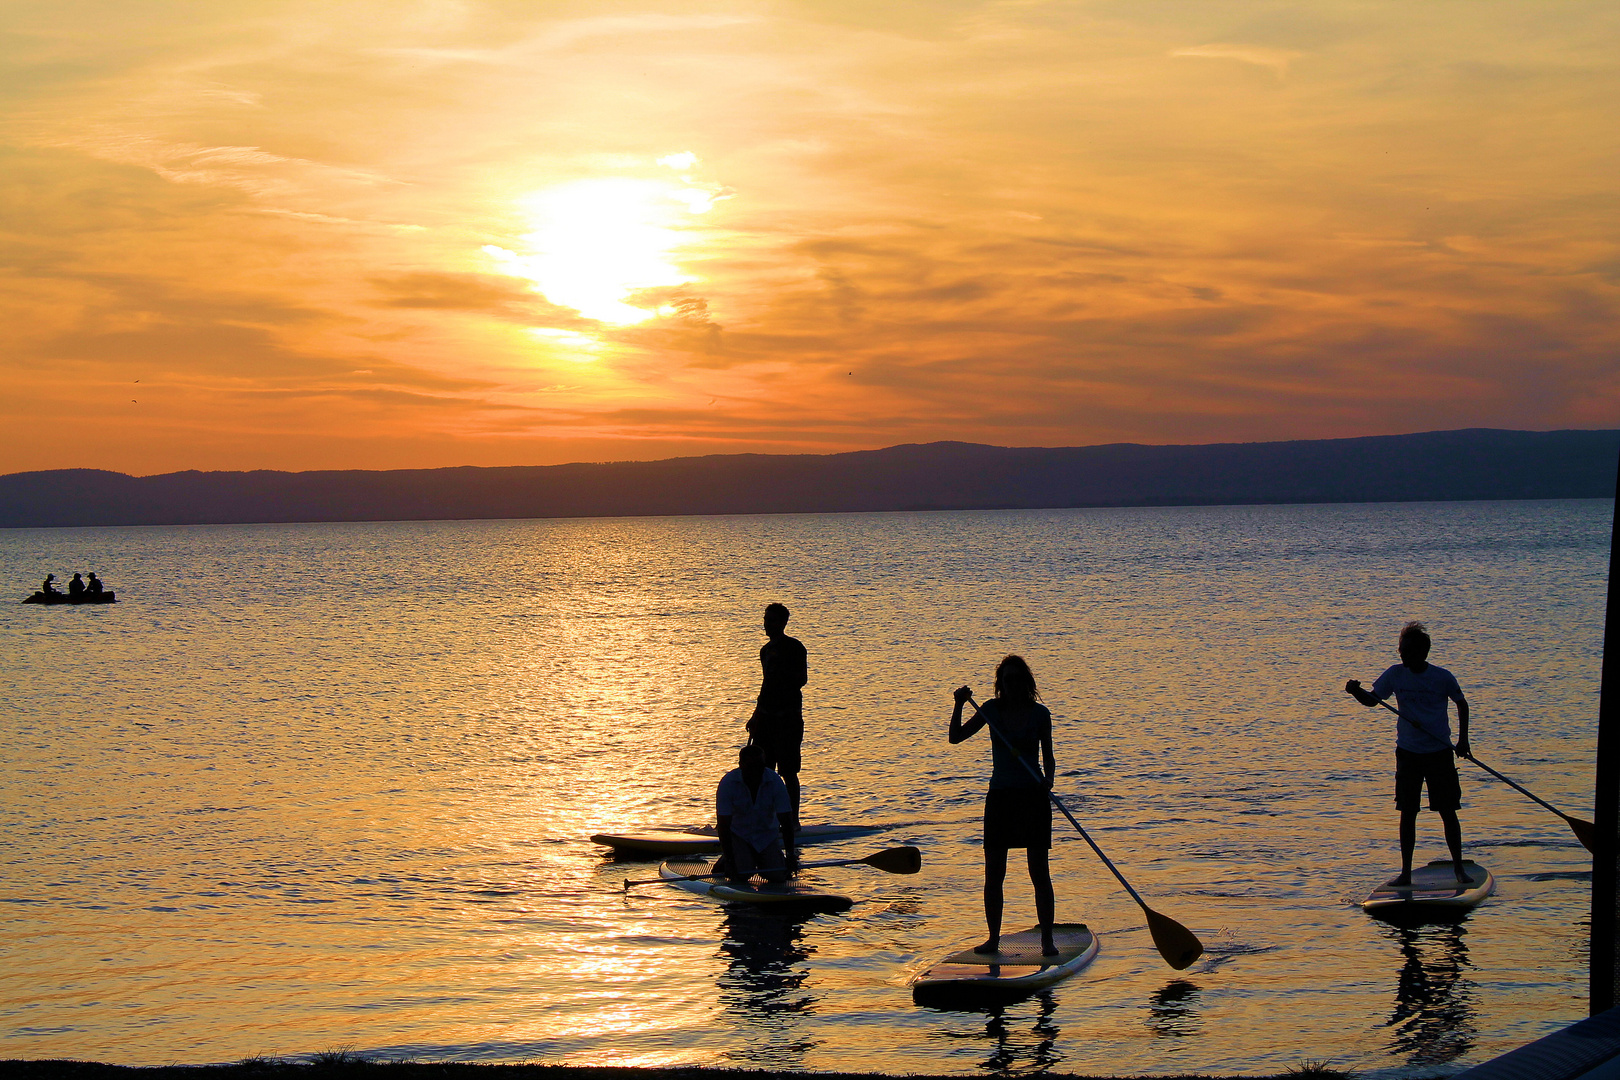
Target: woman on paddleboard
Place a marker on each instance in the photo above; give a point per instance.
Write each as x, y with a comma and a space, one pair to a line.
1017, 812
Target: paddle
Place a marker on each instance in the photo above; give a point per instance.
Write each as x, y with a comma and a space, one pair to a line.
1584, 831
895, 860
1178, 945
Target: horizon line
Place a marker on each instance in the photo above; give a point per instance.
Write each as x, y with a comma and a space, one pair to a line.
829, 454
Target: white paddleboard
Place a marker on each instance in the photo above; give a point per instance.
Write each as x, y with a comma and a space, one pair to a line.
795, 893
1434, 888
703, 841
967, 978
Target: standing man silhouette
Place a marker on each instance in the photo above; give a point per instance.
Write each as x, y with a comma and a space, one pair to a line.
777, 726
1423, 751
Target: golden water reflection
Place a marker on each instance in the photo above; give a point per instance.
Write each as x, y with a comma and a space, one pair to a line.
240, 819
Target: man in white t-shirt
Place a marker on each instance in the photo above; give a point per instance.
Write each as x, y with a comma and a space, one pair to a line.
1423, 751
755, 817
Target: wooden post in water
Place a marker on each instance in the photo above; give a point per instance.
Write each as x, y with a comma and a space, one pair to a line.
1605, 977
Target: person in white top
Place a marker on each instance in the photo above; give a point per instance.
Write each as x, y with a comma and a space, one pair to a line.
755, 817
1423, 750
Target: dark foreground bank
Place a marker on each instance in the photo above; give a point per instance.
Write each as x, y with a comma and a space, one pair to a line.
347, 1067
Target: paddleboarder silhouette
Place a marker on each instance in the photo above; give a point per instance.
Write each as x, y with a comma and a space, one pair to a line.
1423, 751
1017, 812
777, 726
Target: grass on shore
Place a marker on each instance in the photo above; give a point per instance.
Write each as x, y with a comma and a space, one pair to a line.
345, 1065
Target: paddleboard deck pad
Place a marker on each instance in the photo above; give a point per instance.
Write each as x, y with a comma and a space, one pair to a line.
795, 894
970, 979
1435, 889
704, 841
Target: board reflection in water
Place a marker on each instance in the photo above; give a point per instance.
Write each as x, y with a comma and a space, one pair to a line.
762, 988
1434, 1016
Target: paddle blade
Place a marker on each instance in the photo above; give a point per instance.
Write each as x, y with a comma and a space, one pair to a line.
1178, 945
896, 860
1584, 831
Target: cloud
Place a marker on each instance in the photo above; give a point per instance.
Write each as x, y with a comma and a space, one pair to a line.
1024, 223
1277, 60
505, 297
246, 168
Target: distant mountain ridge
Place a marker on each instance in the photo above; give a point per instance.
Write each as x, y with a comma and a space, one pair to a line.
1476, 463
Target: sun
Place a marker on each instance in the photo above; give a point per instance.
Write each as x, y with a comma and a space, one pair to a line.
597, 242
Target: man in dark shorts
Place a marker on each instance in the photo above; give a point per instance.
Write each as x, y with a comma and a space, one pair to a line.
777, 726
1423, 751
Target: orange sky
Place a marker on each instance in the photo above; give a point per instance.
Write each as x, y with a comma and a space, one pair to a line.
331, 235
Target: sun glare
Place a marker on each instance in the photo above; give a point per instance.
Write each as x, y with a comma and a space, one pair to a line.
597, 242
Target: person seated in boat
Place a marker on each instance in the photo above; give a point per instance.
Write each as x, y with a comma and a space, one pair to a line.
755, 818
48, 588
94, 585
1423, 751
76, 586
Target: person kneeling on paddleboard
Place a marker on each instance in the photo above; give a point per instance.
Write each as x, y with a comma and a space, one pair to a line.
1423, 751
1017, 811
755, 819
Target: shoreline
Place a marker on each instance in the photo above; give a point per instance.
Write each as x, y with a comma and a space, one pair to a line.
340, 1065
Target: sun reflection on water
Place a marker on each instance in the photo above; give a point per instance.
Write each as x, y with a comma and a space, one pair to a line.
287, 825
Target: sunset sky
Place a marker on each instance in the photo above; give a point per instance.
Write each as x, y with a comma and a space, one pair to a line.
351, 235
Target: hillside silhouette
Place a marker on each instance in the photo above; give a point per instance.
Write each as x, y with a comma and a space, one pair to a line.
1440, 465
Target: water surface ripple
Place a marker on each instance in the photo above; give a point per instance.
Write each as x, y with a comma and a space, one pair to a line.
322, 786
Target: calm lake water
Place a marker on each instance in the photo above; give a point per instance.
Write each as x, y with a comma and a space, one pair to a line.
312, 787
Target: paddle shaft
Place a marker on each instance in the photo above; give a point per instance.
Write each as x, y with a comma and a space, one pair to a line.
704, 877
1057, 802
1516, 787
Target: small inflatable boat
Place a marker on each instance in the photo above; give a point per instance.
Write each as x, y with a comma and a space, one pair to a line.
63, 598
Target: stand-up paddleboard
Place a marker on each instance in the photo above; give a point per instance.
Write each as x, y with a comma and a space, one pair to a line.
703, 842
1434, 889
799, 895
968, 978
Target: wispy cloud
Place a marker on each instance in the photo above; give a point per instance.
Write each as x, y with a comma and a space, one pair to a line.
1277, 60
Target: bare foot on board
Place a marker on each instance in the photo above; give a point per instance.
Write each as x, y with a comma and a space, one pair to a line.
989, 948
